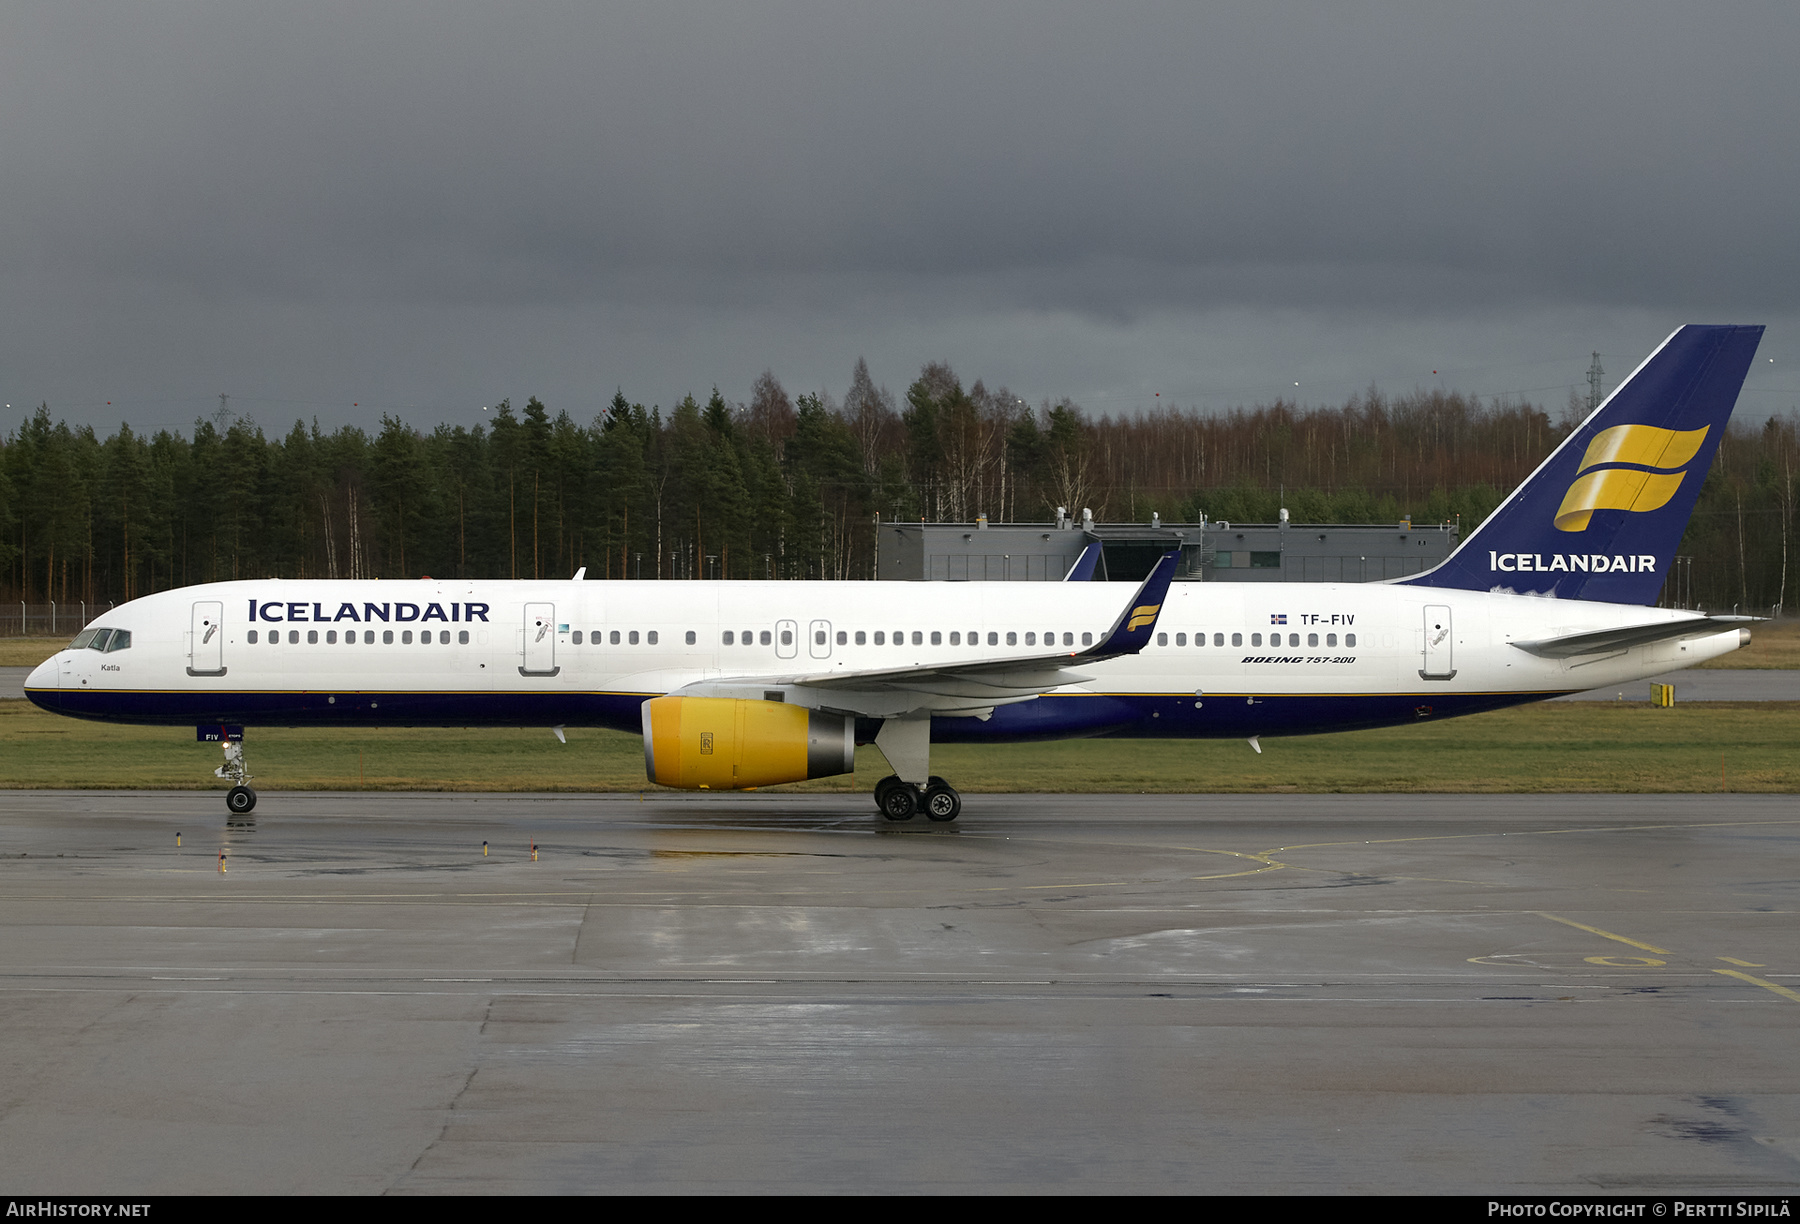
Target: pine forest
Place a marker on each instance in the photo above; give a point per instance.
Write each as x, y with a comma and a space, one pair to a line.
787, 487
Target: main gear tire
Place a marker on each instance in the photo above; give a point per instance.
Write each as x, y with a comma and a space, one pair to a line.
900, 802
942, 803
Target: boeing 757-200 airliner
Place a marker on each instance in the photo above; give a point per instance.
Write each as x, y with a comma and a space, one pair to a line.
748, 684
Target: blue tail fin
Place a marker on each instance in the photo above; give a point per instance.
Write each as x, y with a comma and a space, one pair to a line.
1602, 516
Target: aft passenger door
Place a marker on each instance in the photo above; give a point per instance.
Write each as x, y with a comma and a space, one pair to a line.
818, 639
206, 641
786, 634
539, 654
1438, 662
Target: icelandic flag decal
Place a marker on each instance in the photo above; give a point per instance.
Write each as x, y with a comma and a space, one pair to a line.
1278, 618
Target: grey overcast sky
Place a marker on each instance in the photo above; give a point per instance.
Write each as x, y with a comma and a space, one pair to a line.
419, 208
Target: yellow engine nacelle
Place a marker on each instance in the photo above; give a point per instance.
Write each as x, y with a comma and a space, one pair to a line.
727, 743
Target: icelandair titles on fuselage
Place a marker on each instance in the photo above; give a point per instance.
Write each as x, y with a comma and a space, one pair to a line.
282, 611
1585, 563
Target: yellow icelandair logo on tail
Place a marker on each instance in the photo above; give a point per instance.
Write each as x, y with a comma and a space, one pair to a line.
1628, 488
1143, 614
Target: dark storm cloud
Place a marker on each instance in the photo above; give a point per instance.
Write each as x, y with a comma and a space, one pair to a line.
431, 199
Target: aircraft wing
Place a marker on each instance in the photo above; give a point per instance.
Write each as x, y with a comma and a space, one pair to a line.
974, 687
1608, 640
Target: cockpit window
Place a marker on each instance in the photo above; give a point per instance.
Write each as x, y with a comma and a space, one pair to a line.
107, 640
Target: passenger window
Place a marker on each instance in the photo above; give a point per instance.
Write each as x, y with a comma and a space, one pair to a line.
1293, 639
331, 637
575, 637
1256, 639
726, 639
1312, 639
369, 637
1219, 639
387, 637
251, 637
880, 638
1237, 639
462, 637
918, 638
1331, 639
631, 638
293, 637
406, 637
613, 637
860, 638
763, 637
1349, 639
1031, 639
1087, 639
312, 637
1012, 639
974, 637
443, 637
993, 638
956, 637
1181, 639
1068, 639
691, 639
1162, 639
937, 638
650, 637
841, 639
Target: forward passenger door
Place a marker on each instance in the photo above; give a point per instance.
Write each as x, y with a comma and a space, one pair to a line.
206, 641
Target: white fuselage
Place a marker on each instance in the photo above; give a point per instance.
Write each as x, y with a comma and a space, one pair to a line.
574, 652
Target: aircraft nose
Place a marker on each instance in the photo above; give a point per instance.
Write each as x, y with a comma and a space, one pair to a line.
41, 685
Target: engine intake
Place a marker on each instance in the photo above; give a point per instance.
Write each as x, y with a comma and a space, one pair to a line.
728, 743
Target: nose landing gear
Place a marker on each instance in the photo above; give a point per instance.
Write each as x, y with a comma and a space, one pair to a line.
240, 799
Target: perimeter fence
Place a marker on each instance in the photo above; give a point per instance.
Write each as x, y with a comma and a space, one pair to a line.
49, 619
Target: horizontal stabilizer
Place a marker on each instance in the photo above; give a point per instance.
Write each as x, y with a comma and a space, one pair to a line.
1605, 641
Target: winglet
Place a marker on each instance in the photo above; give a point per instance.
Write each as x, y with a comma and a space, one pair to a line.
1131, 632
1085, 564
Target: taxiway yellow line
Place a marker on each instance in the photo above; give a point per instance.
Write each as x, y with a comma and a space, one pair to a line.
1594, 930
1783, 991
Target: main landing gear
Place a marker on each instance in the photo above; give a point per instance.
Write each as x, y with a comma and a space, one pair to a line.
899, 800
240, 800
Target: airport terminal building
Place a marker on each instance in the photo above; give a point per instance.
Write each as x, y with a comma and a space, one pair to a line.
1211, 551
